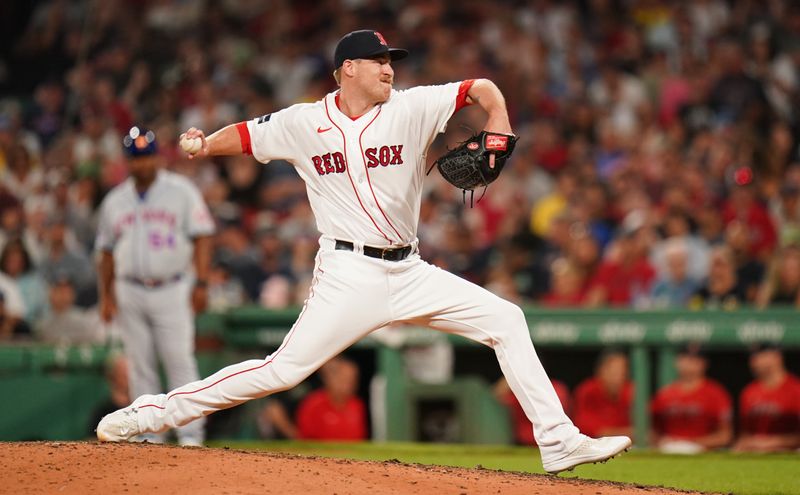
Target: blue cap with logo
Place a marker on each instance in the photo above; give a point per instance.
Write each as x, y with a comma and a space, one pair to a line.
140, 142
365, 43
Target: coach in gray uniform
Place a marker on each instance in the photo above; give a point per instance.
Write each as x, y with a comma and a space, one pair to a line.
153, 243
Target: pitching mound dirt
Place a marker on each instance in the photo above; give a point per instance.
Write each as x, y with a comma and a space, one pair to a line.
93, 468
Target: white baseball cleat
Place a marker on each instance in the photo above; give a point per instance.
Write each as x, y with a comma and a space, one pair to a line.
589, 451
119, 426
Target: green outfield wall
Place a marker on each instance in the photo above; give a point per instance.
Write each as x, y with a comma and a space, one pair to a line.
53, 392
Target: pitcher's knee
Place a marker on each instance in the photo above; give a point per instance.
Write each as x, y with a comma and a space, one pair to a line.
510, 321
285, 379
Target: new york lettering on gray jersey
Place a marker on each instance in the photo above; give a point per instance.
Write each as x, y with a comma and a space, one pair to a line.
151, 235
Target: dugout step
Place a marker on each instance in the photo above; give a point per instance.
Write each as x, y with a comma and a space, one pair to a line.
463, 411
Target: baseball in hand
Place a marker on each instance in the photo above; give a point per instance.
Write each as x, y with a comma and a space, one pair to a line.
191, 145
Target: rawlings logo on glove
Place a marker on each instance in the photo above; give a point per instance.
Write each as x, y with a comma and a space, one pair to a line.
496, 142
467, 166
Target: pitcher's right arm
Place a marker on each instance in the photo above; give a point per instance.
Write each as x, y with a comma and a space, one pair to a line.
226, 141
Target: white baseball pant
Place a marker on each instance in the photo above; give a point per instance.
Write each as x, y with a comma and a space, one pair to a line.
157, 324
351, 296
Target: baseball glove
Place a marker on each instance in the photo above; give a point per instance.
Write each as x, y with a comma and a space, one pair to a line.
467, 166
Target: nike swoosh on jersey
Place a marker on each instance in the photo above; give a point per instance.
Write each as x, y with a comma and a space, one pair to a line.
321, 130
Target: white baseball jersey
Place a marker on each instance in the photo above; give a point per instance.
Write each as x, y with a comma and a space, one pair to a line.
363, 176
151, 234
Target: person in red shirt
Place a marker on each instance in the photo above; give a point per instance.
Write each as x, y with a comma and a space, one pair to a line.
566, 285
769, 407
334, 412
693, 413
603, 402
521, 425
625, 277
744, 206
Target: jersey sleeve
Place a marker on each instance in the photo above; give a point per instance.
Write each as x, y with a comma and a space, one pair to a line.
199, 219
272, 136
434, 105
105, 238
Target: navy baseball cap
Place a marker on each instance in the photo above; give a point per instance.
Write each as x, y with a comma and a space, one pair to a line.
140, 142
364, 43
692, 349
766, 345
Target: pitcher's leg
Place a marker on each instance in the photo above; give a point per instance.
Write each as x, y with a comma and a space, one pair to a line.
448, 303
345, 304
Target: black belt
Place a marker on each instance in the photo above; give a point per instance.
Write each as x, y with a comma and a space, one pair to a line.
388, 254
153, 283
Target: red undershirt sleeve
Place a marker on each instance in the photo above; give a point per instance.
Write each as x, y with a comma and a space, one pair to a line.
244, 137
463, 89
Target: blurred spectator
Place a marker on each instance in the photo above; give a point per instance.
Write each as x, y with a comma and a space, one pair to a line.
460, 253
591, 206
626, 276
276, 418
522, 259
46, 118
15, 262
11, 326
737, 95
567, 285
621, 95
224, 291
12, 219
553, 204
603, 402
20, 177
520, 424
744, 207
749, 271
584, 253
694, 413
675, 288
769, 407
234, 248
782, 283
677, 227
13, 304
722, 289
60, 261
276, 292
97, 142
209, 112
786, 211
76, 202
334, 412
274, 263
67, 324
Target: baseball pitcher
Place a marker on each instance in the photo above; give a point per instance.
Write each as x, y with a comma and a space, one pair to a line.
361, 152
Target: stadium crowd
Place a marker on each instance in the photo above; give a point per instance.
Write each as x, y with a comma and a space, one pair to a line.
658, 163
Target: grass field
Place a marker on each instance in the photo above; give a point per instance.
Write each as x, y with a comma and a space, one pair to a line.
716, 473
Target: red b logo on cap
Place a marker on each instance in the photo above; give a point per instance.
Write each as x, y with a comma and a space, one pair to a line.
380, 38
